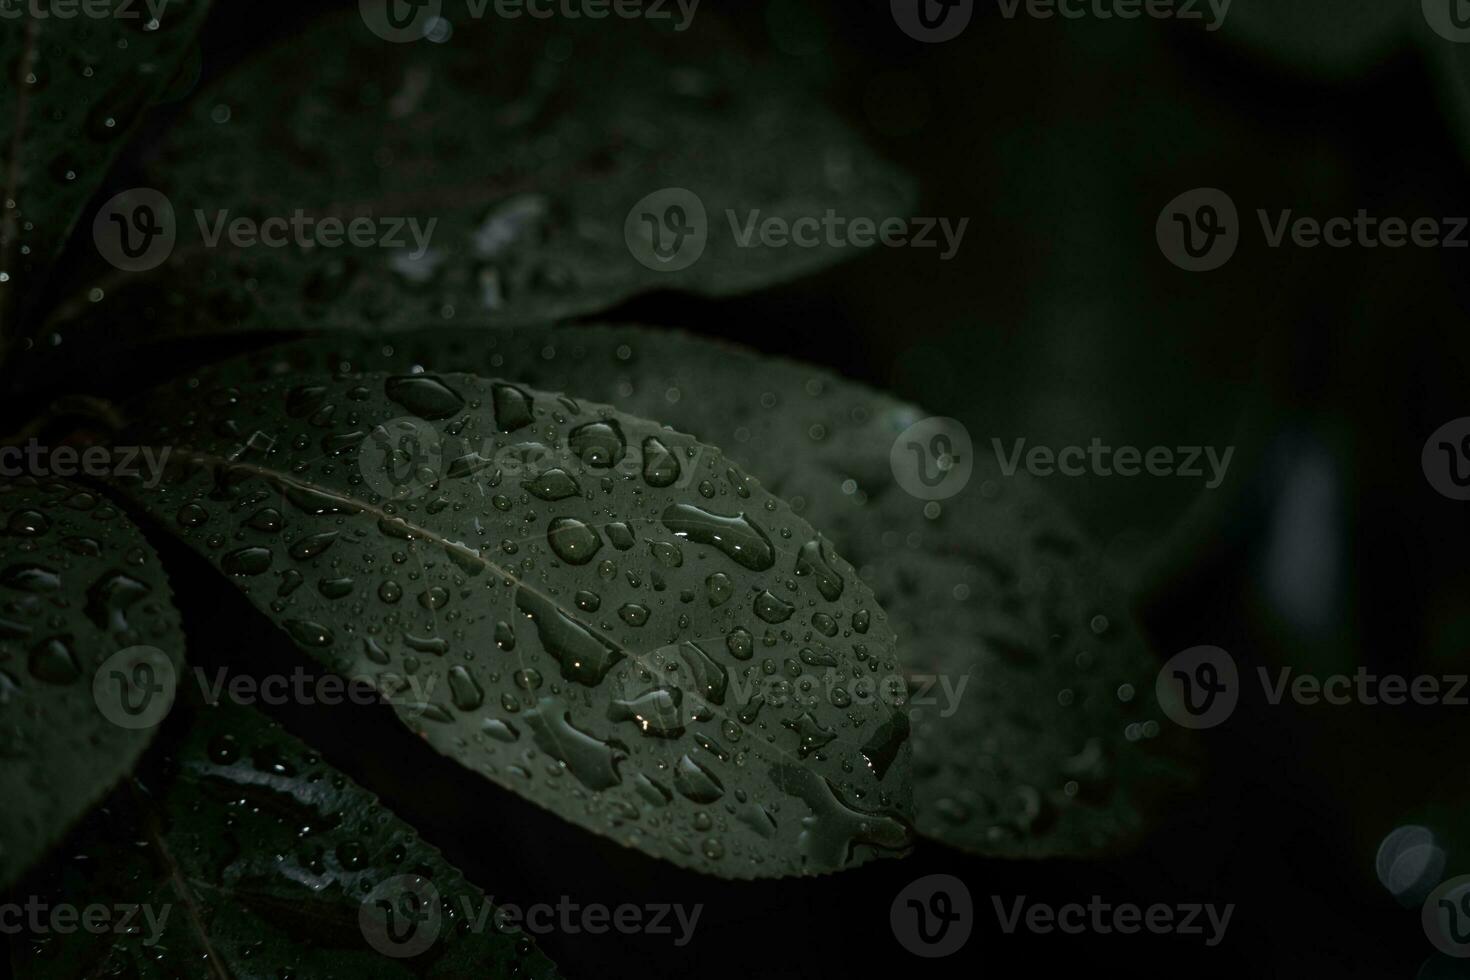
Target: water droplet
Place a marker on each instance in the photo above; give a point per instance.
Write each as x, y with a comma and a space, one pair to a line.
736, 537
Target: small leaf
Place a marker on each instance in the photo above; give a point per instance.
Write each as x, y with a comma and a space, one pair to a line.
499, 168
242, 854
998, 588
89, 646
598, 613
75, 87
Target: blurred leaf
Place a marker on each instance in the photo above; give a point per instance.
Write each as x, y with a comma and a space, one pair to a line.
593, 611
78, 585
252, 858
75, 88
997, 592
519, 149
1333, 39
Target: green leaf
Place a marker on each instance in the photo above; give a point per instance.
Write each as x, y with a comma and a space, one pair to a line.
1332, 39
246, 856
526, 143
998, 587
83, 602
598, 613
75, 87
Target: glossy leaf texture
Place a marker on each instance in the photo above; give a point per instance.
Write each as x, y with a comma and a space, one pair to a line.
600, 614
501, 167
87, 623
75, 86
1055, 744
238, 852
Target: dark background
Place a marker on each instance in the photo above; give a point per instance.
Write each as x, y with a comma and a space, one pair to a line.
1059, 321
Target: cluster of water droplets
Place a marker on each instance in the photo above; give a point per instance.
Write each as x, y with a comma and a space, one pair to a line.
77, 584
605, 615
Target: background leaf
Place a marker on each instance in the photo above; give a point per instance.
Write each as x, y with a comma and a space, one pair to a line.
1043, 755
1335, 39
75, 89
527, 142
598, 613
255, 858
78, 586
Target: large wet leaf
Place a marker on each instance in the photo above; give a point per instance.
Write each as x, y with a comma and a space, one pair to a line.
83, 602
242, 854
1044, 750
74, 88
601, 614
519, 148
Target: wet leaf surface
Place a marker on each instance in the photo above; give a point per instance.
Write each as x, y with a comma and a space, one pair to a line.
74, 89
243, 854
499, 170
78, 587
596, 612
1054, 745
